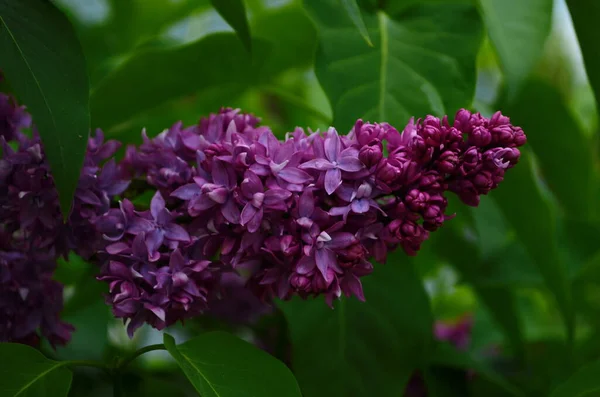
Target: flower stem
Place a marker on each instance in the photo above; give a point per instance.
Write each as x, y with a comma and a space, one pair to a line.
86, 363
126, 360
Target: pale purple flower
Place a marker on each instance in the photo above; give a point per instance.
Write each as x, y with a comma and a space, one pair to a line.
337, 159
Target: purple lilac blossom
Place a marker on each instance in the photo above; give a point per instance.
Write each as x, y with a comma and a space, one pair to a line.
32, 233
302, 216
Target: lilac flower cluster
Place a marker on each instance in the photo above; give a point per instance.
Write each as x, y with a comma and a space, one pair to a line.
301, 216
32, 233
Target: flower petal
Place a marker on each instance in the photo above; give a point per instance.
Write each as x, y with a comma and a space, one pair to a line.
351, 285
175, 232
154, 240
294, 175
332, 145
116, 248
306, 205
276, 196
305, 265
157, 204
247, 214
231, 212
255, 222
139, 225
360, 206
333, 179
187, 192
340, 240
317, 164
325, 258
350, 164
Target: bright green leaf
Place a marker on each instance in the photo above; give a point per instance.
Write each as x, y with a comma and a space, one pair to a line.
585, 15
518, 30
423, 61
584, 382
354, 13
43, 60
25, 372
175, 73
219, 364
539, 232
234, 13
363, 348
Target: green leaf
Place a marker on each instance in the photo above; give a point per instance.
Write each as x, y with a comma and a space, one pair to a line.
559, 136
422, 61
585, 382
234, 13
25, 372
518, 30
585, 16
90, 338
539, 233
175, 73
467, 260
292, 37
354, 13
43, 60
446, 355
363, 348
220, 365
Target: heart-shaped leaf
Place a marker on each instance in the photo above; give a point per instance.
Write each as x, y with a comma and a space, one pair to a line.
44, 62
219, 364
25, 372
422, 61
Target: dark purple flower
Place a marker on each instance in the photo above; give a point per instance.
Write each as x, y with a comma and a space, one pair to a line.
259, 201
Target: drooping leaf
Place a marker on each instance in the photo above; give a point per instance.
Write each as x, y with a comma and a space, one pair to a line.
175, 73
553, 133
353, 11
585, 382
234, 13
518, 30
585, 15
219, 364
363, 348
521, 198
422, 61
25, 372
42, 58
